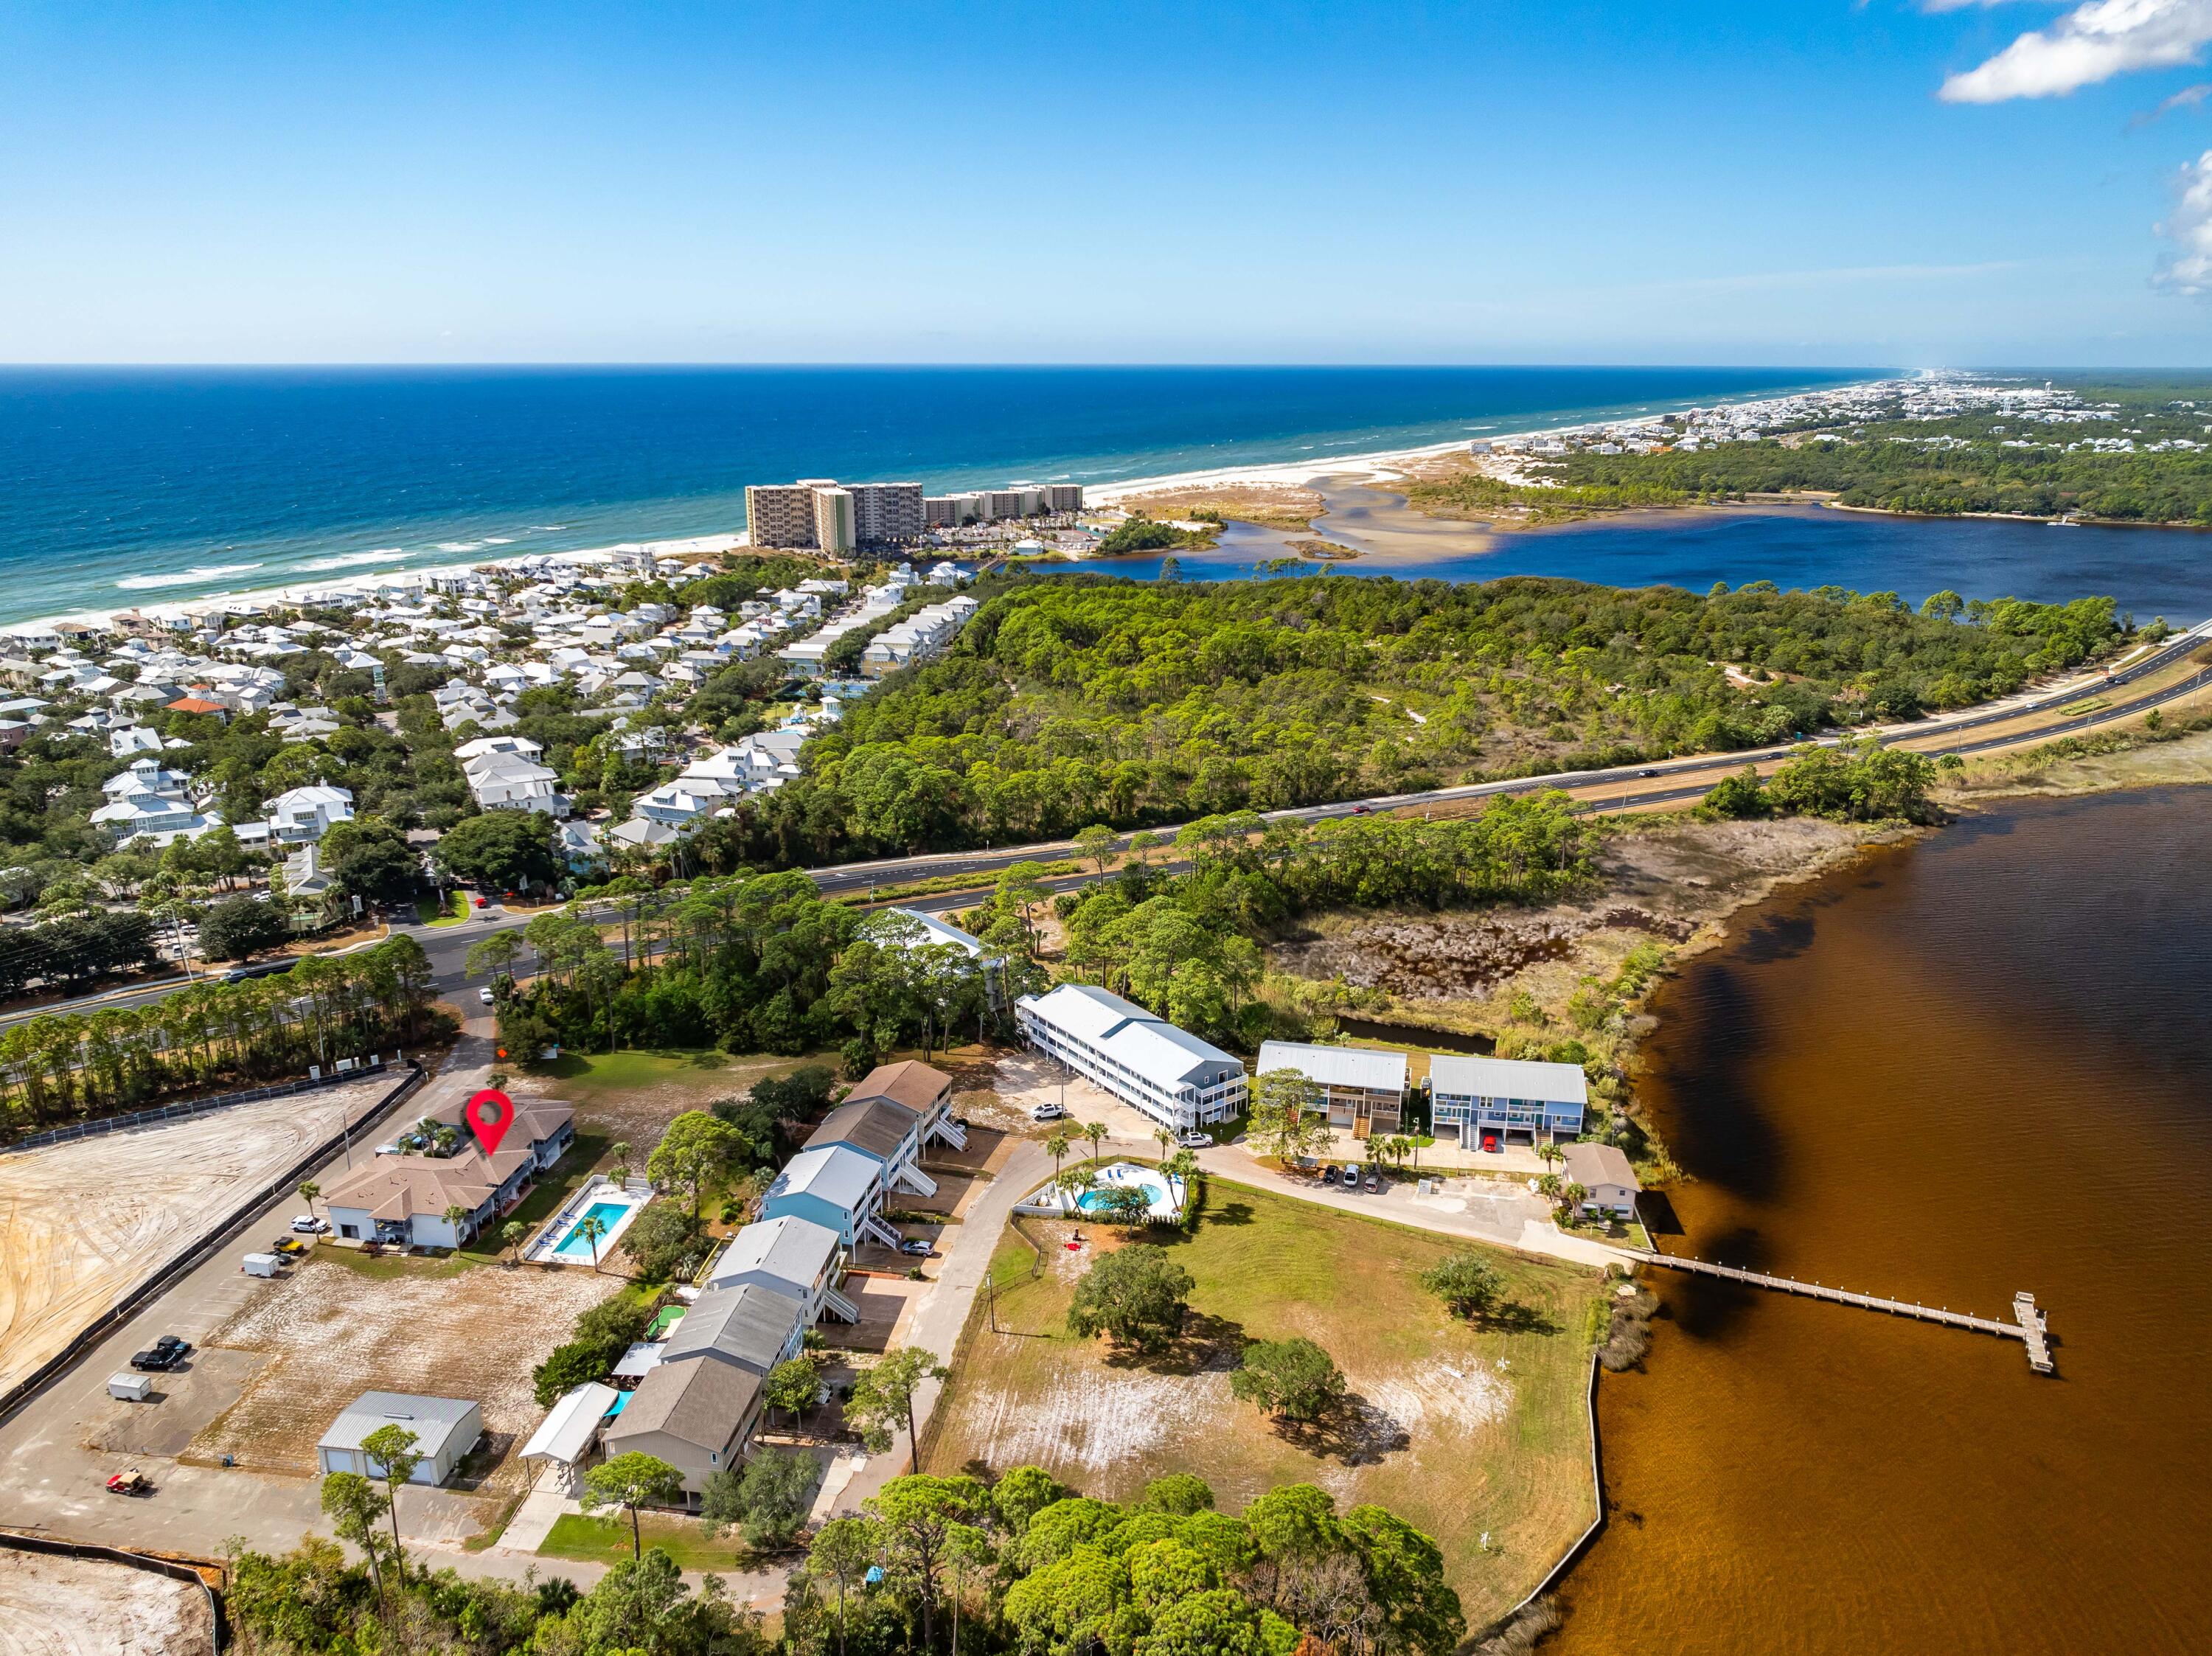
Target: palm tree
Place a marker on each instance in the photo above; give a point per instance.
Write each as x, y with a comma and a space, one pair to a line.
1096, 1133
619, 1150
1548, 1187
308, 1192
1551, 1154
1166, 1140
591, 1229
1057, 1143
510, 1236
453, 1215
1570, 1198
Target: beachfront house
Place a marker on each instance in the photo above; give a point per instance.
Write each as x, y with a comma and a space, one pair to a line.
793, 1256
1515, 1101
1179, 1079
1362, 1089
1604, 1173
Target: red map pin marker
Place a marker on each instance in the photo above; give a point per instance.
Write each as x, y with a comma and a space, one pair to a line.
489, 1114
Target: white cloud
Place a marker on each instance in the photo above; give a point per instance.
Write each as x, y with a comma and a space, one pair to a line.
2187, 267
2090, 44
2188, 98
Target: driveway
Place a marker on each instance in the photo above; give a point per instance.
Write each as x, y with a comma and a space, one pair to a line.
934, 1325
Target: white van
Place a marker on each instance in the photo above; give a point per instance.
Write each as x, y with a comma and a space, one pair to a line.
260, 1265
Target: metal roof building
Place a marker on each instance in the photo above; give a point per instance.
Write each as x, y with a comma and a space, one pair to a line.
445, 1429
1169, 1073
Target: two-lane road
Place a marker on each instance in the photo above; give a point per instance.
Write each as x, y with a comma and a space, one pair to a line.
1617, 788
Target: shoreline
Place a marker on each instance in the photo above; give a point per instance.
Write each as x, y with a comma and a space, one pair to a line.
1376, 464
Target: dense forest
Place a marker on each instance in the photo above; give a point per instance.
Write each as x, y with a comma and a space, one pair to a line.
931, 1565
1076, 700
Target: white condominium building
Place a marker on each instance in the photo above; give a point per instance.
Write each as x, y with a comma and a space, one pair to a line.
1169, 1074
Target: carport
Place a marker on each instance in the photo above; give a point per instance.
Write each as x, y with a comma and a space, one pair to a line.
565, 1436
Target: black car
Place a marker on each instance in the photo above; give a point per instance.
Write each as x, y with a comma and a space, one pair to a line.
167, 1352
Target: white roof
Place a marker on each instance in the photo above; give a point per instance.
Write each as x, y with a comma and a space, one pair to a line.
1146, 1046
1507, 1077
1336, 1066
433, 1420
940, 932
789, 1249
566, 1433
842, 1177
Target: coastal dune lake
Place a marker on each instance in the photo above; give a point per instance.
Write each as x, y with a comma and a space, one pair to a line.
1969, 1065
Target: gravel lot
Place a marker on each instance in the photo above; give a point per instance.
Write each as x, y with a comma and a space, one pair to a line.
335, 1332
82, 1223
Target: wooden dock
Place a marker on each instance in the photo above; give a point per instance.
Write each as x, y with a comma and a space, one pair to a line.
2029, 1325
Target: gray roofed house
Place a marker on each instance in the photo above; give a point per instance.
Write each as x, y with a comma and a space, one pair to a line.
793, 1256
837, 1186
752, 1325
1510, 1098
695, 1416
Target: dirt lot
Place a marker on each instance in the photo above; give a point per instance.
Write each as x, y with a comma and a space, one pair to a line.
330, 1333
80, 1607
81, 1223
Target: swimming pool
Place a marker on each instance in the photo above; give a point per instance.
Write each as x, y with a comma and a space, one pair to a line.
1163, 1193
601, 1199
1156, 1193
576, 1246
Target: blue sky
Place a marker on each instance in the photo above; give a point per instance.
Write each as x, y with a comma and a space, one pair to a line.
1806, 181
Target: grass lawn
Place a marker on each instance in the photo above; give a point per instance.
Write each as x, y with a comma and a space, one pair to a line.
634, 1094
455, 911
591, 1539
1462, 1431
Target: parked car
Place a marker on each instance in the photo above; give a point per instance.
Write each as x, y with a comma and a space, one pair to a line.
1374, 1184
1329, 1174
1196, 1141
166, 1353
1046, 1112
483, 902
916, 1246
307, 1224
133, 1482
486, 996
288, 1244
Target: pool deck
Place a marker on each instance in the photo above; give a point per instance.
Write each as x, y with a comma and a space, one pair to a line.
545, 1247
1049, 1201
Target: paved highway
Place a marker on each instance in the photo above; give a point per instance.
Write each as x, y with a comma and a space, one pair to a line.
448, 946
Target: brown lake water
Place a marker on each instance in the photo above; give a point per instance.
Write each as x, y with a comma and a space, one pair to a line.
1974, 1064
